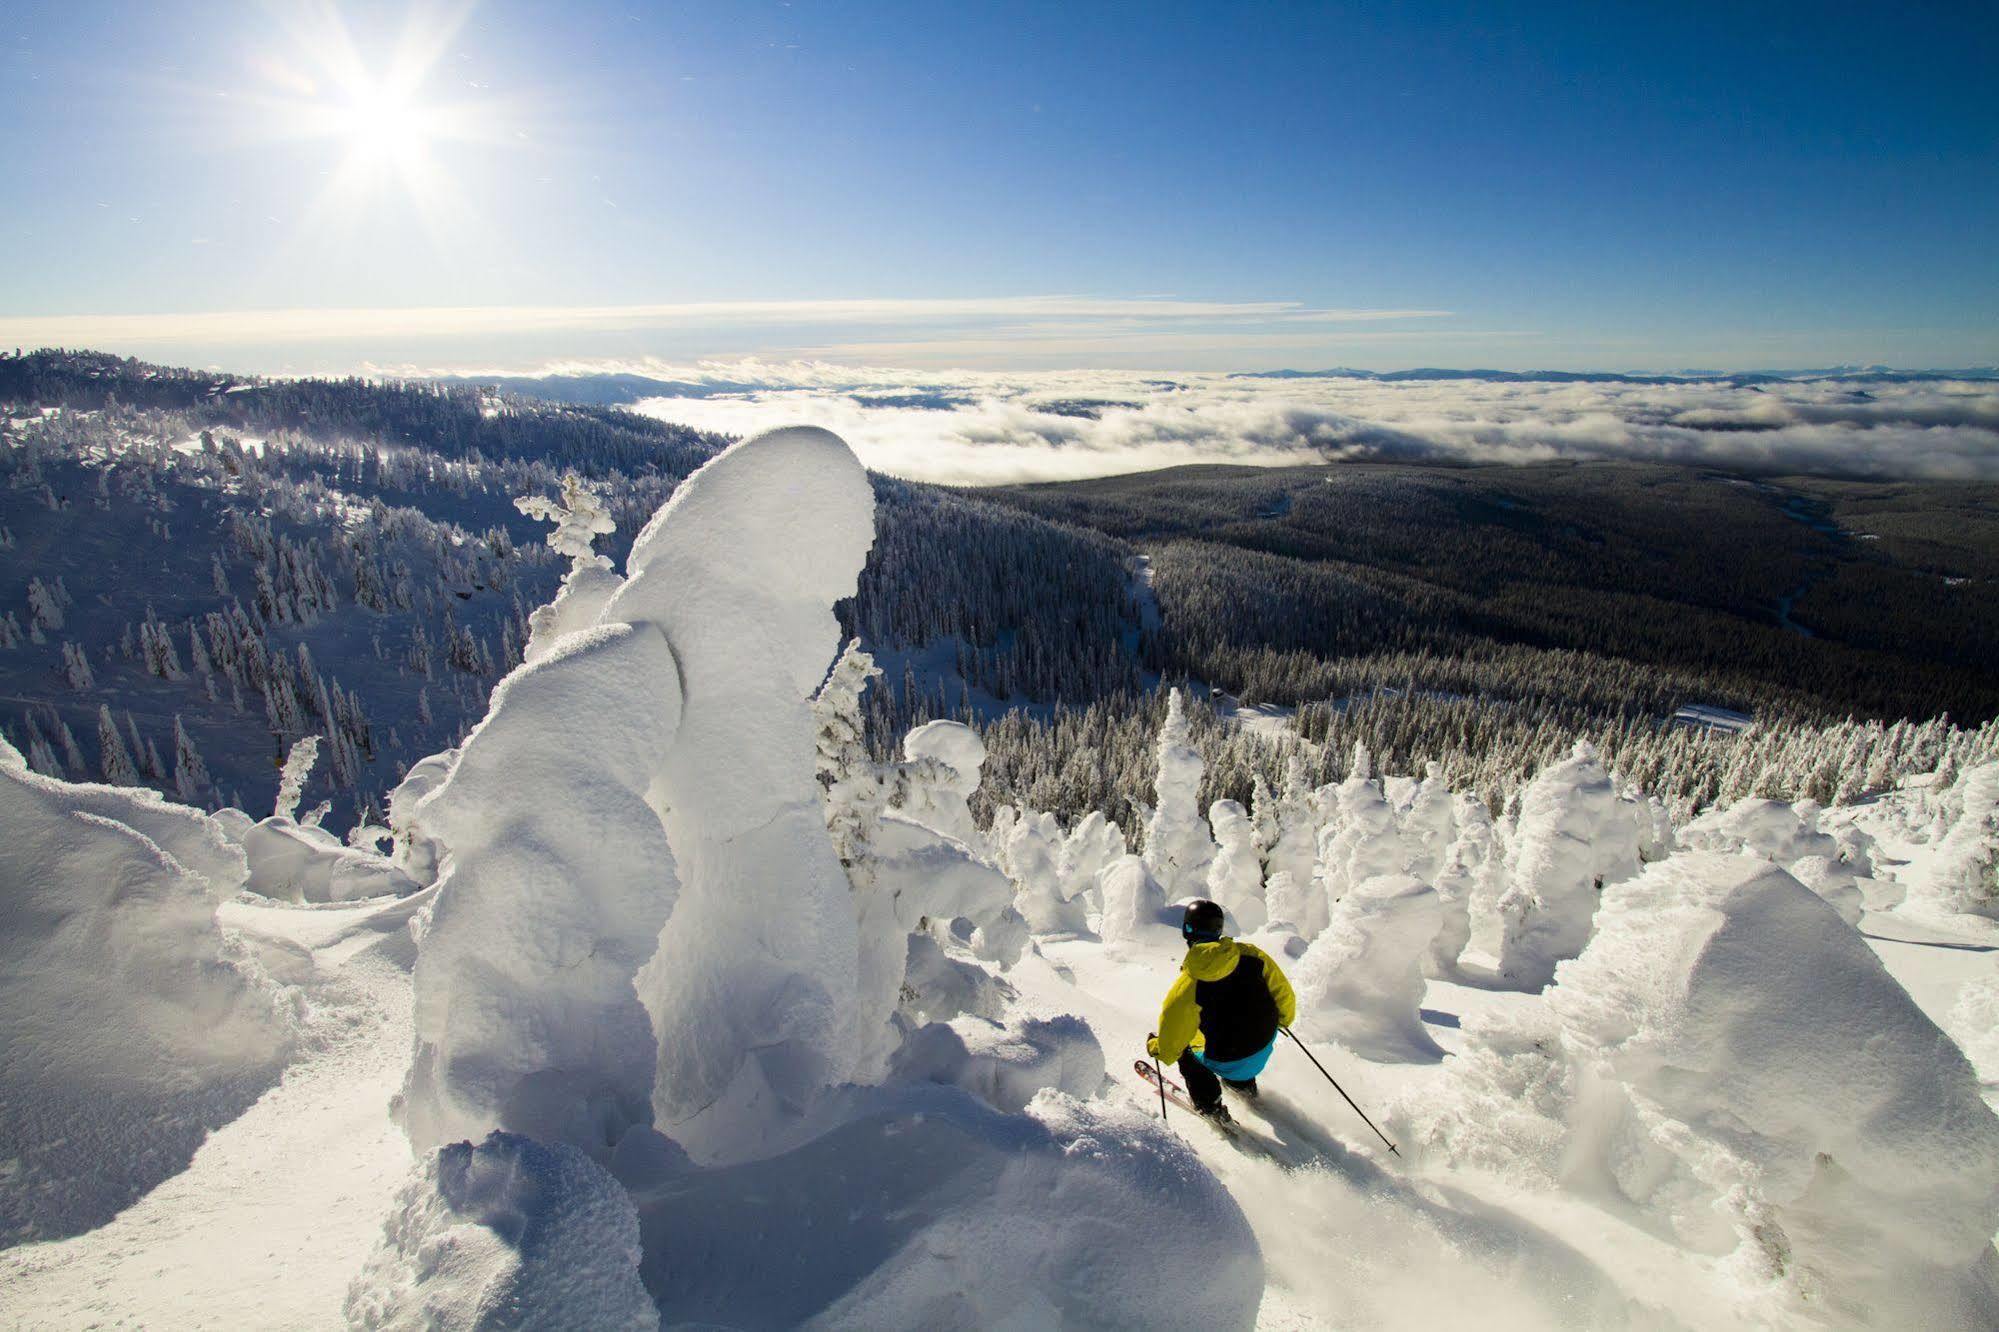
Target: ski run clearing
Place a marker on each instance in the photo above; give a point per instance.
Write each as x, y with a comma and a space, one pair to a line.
670, 1006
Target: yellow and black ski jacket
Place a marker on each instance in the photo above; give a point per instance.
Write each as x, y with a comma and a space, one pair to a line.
1228, 1003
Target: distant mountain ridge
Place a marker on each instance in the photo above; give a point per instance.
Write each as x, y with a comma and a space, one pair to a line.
622, 388
1845, 374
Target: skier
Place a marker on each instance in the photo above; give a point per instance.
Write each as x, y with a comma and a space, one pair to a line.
1221, 1017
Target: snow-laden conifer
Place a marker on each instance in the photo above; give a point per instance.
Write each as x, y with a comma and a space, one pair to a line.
1178, 846
114, 760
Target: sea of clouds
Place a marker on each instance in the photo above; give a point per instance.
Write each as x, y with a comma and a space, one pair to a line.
986, 428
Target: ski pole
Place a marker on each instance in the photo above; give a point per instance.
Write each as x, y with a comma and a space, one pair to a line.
1341, 1090
1159, 1080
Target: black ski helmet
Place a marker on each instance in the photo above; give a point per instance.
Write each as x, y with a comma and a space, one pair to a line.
1203, 921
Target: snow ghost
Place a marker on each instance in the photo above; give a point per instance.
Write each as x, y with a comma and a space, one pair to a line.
1361, 981
754, 989
1575, 838
1178, 848
1235, 879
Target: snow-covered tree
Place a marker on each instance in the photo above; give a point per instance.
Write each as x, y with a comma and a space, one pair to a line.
1033, 860
1429, 824
1090, 848
1235, 878
1361, 841
1293, 856
44, 605
76, 672
1361, 981
1575, 837
114, 760
1471, 867
942, 763
156, 647
1961, 875
291, 780
1178, 847
854, 783
190, 773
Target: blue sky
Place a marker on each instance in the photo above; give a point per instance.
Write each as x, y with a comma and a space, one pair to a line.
1004, 186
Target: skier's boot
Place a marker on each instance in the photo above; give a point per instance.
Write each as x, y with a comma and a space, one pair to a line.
1246, 1089
1217, 1112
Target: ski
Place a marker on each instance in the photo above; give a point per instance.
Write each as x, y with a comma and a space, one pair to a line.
1178, 1096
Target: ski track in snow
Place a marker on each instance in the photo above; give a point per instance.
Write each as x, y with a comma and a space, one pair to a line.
279, 1208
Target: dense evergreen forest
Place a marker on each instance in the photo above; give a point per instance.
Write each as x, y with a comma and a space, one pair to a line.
1813, 597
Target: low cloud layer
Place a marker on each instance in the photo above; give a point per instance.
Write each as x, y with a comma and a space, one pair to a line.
986, 429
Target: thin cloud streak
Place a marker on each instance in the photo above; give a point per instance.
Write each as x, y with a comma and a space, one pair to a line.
310, 327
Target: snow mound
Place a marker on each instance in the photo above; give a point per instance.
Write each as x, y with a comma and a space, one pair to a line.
197, 842
130, 1025
1786, 835
1361, 981
923, 1208
509, 1234
1974, 1021
1785, 1096
295, 862
1005, 1066
1835, 881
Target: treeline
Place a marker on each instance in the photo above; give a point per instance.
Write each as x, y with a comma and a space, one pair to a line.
1072, 760
1040, 610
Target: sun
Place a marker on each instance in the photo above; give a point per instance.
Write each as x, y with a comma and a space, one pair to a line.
382, 126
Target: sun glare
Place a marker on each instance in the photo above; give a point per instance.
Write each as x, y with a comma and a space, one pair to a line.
378, 125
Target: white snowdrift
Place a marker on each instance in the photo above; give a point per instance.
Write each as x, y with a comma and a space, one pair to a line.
1732, 1063
130, 1025
509, 1234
